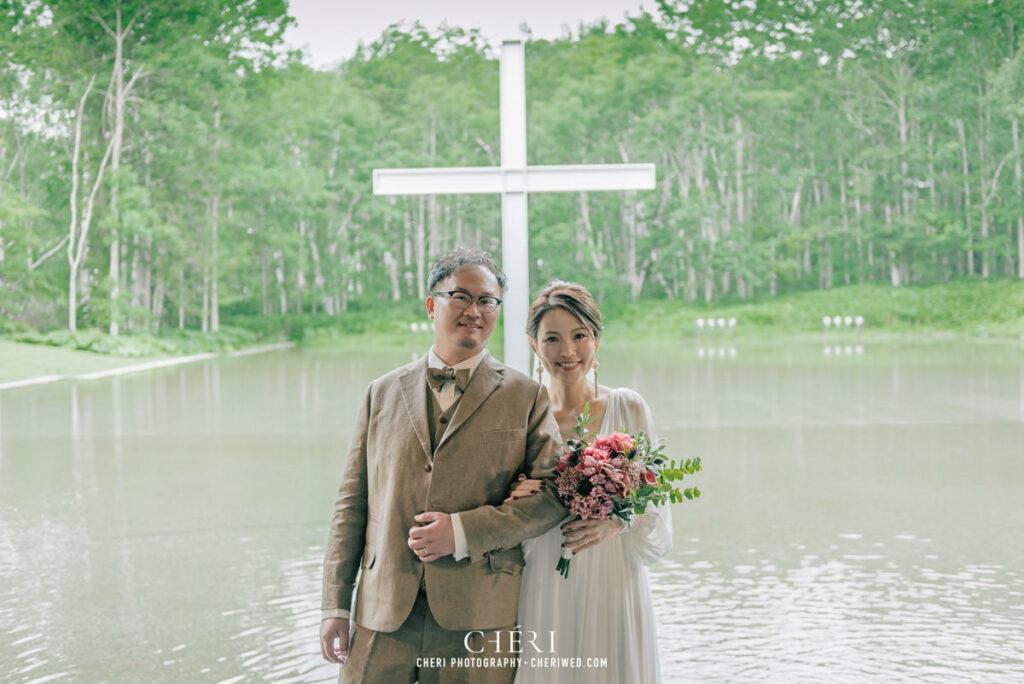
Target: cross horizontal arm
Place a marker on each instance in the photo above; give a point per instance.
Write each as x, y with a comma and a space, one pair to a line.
495, 179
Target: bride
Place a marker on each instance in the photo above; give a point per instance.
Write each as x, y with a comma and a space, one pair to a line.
602, 614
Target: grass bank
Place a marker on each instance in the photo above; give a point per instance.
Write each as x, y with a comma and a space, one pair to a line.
133, 345
968, 309
19, 361
964, 309
29, 356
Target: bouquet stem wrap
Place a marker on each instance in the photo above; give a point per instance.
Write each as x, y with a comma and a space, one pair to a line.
563, 563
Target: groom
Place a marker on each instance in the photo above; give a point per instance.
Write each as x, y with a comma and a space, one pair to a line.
419, 510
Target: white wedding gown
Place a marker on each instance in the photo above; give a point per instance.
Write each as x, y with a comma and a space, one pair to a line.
604, 608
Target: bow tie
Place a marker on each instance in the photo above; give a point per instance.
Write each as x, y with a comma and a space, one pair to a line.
438, 376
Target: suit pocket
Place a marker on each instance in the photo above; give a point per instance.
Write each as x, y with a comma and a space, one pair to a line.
502, 435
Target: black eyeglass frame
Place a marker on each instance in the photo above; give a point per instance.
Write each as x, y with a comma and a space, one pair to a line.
478, 300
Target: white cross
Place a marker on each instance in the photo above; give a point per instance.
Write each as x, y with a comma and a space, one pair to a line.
514, 179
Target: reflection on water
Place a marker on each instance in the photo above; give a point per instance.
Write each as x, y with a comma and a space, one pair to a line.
860, 518
870, 553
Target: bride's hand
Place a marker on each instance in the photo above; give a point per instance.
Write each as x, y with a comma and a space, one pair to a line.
523, 487
582, 534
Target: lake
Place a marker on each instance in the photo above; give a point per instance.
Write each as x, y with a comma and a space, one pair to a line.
862, 517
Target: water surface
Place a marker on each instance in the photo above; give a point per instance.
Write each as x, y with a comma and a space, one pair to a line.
861, 517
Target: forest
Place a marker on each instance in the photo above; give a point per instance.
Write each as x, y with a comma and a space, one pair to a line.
170, 165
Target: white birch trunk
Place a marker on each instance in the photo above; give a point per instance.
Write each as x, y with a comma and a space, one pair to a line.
967, 195
78, 231
1019, 178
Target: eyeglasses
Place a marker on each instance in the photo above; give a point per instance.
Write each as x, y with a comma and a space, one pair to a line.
464, 300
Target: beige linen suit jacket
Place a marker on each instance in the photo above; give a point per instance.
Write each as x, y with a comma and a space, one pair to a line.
502, 426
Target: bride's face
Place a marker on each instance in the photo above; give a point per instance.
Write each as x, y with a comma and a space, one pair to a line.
566, 347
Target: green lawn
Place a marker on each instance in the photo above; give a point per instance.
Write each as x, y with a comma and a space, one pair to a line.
966, 309
23, 361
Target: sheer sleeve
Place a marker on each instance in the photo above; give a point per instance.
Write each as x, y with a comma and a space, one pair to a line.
649, 538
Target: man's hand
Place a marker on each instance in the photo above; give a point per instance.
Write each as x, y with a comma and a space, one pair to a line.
334, 630
433, 537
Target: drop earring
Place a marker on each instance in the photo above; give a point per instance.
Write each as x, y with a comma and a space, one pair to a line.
596, 366
540, 372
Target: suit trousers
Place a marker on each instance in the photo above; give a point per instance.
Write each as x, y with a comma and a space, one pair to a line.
423, 651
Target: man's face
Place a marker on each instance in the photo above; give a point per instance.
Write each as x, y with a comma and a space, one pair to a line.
463, 332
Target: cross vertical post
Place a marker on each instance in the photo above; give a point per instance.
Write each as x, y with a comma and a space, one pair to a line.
514, 180
515, 251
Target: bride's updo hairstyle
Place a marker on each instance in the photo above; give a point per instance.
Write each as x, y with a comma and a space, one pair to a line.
569, 296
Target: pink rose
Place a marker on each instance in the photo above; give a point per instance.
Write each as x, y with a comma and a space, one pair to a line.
621, 442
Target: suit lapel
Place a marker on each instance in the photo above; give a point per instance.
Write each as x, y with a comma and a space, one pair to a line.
489, 374
414, 395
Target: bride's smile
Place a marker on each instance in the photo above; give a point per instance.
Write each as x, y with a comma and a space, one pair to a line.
564, 344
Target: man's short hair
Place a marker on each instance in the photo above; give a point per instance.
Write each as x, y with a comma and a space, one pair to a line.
458, 259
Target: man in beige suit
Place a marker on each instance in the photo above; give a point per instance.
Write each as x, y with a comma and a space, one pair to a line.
420, 509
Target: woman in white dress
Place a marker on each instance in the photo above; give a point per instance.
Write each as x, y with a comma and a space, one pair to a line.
603, 611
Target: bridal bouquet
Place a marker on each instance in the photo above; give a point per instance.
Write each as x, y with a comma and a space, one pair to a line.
617, 474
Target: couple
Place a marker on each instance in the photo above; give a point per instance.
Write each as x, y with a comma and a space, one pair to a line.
449, 473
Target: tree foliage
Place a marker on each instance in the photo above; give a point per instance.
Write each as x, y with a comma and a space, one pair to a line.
799, 145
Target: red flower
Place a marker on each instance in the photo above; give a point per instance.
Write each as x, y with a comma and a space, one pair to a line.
650, 478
